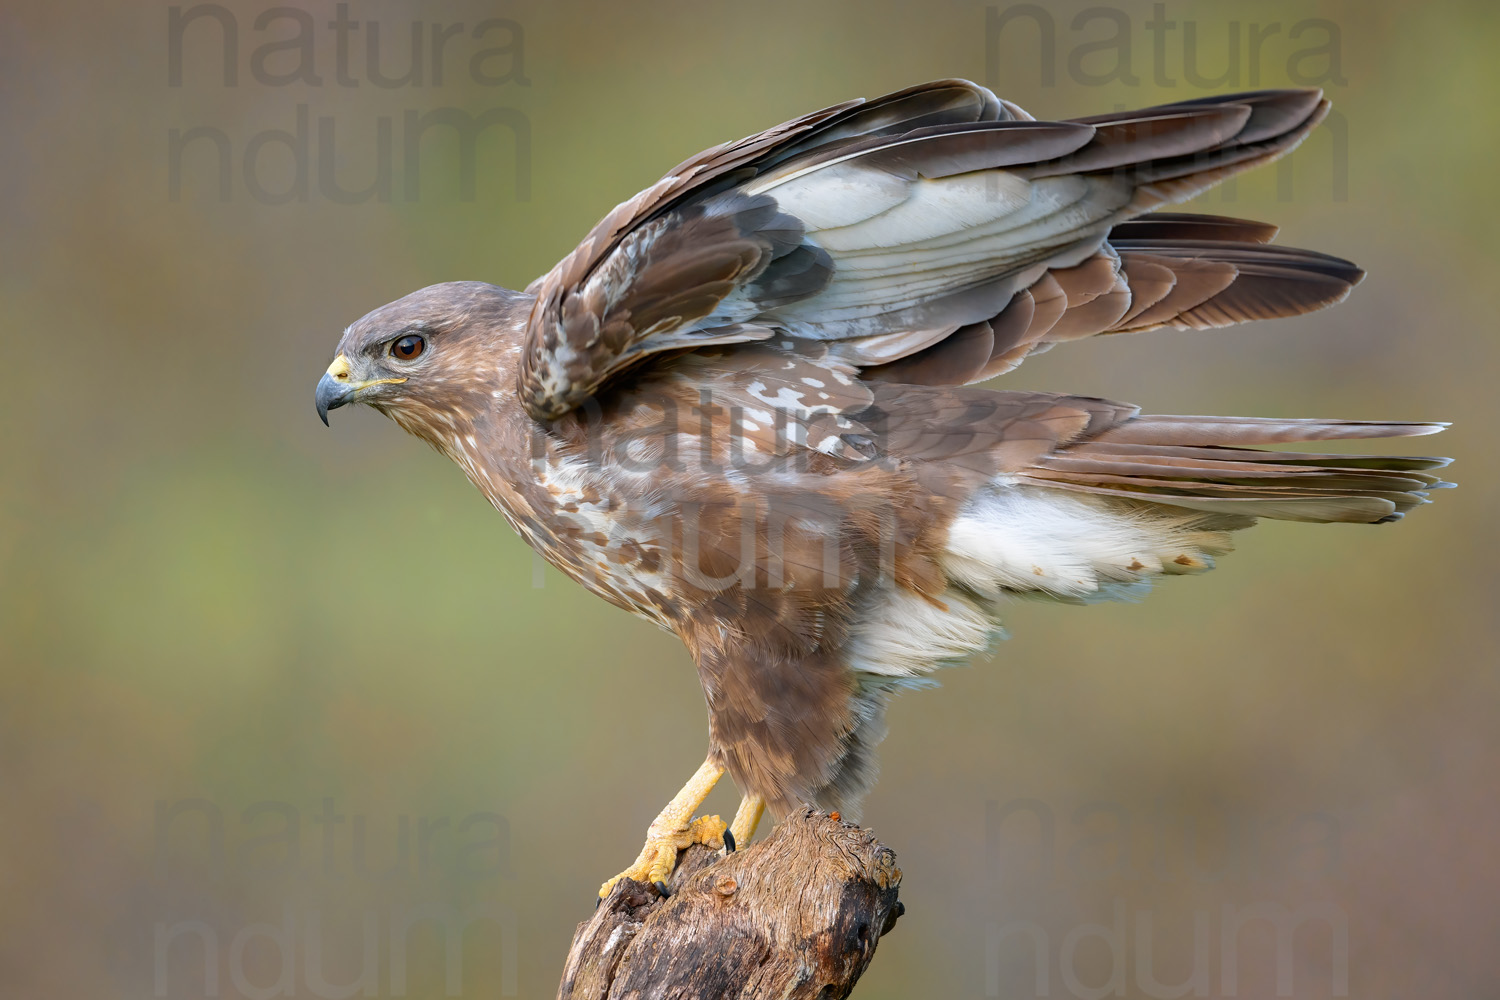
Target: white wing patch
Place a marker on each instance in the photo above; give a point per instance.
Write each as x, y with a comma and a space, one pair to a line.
898, 243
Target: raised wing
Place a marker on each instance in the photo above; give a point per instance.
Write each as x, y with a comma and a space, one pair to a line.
1161, 270
937, 234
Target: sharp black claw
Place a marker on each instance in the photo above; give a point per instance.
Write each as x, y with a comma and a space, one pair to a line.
661, 887
597, 901
728, 842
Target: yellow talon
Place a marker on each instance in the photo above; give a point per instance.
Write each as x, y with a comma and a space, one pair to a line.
659, 856
671, 832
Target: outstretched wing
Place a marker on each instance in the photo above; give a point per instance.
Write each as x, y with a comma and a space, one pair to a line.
939, 226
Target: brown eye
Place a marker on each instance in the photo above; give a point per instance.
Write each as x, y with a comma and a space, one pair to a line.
408, 348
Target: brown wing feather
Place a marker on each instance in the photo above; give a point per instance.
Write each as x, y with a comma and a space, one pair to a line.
1176, 226
693, 260
1269, 282
547, 393
1152, 273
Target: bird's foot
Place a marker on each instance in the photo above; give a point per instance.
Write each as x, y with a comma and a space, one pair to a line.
659, 856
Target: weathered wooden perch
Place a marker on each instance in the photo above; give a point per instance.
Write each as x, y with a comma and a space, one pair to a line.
796, 915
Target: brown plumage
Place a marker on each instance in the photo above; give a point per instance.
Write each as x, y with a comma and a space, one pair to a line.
739, 407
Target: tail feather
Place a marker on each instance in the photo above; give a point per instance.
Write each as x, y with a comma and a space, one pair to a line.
1228, 454
1176, 429
1202, 463
1312, 508
1266, 474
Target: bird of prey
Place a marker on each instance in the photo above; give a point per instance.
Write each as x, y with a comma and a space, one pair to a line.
743, 408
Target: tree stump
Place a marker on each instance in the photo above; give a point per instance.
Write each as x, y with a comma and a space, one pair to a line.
796, 915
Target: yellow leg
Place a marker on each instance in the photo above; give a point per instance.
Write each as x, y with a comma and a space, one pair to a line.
746, 819
670, 832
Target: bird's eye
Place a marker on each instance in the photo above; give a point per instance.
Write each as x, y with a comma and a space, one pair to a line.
408, 348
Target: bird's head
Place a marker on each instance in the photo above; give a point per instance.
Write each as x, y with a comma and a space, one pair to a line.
427, 359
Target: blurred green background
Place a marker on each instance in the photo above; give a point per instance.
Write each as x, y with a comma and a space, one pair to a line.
205, 595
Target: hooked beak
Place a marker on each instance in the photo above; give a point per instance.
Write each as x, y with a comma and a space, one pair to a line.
337, 387
331, 395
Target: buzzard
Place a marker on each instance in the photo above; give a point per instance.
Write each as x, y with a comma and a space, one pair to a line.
743, 408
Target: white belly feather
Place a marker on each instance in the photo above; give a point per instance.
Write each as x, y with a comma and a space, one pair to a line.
1020, 539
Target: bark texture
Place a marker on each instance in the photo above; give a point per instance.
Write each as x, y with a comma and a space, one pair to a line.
795, 915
